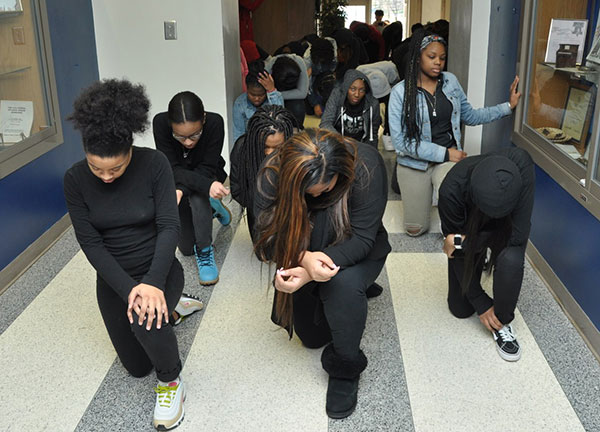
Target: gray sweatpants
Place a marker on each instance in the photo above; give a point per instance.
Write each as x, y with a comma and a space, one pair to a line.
418, 188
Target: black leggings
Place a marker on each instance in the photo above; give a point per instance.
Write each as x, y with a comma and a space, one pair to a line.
195, 215
508, 277
336, 310
139, 349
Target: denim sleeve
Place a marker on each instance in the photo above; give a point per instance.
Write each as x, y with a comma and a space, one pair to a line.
239, 123
472, 117
275, 98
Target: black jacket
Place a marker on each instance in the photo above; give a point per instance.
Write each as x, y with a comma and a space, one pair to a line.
455, 201
203, 164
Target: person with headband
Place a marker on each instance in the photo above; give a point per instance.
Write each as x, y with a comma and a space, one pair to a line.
486, 202
426, 112
319, 205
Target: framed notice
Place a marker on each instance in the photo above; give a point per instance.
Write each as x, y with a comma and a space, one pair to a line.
578, 112
16, 118
569, 32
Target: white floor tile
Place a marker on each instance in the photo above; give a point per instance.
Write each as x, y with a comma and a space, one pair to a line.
55, 354
393, 218
456, 379
242, 373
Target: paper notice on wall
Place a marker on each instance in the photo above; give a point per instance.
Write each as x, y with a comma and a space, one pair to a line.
16, 119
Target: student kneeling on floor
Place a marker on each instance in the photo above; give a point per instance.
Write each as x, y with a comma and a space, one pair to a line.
486, 202
319, 206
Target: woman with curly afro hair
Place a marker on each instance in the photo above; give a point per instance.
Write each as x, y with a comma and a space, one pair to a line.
123, 207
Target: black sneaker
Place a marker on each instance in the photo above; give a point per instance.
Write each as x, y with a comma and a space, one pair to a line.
506, 343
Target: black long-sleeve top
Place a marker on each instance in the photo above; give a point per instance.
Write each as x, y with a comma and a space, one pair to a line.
128, 229
366, 205
455, 195
203, 164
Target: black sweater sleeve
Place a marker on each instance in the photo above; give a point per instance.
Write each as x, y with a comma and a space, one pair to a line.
367, 202
234, 179
167, 223
91, 241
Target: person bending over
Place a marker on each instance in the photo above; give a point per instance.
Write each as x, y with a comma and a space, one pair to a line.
426, 111
192, 140
486, 202
382, 77
121, 200
260, 90
352, 110
319, 206
268, 128
291, 79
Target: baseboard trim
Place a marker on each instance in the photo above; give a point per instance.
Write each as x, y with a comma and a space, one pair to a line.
18, 266
583, 324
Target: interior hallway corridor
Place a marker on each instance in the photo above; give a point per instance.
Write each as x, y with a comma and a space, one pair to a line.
428, 372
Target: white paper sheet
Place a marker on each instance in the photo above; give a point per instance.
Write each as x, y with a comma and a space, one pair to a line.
16, 118
570, 32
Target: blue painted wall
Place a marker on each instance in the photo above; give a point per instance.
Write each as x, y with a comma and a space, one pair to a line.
32, 198
566, 235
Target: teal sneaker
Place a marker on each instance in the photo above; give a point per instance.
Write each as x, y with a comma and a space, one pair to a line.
220, 211
207, 267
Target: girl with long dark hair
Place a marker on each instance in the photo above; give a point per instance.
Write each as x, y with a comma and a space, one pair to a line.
121, 200
426, 112
319, 205
268, 128
486, 202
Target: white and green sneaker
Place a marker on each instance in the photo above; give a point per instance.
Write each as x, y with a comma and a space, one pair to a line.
168, 410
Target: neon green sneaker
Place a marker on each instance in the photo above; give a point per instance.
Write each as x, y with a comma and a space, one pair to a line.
168, 410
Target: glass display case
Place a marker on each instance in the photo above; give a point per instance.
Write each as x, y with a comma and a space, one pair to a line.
28, 106
560, 71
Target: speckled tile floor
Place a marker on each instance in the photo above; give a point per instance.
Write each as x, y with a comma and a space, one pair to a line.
242, 374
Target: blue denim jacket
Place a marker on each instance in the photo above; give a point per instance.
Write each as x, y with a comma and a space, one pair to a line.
462, 111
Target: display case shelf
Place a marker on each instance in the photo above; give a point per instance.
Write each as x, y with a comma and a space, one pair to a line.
13, 70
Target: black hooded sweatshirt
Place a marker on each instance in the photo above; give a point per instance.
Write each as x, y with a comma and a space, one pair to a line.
456, 195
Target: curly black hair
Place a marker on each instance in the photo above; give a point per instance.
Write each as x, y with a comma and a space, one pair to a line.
108, 113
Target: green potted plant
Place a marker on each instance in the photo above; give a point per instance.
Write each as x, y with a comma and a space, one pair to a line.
330, 15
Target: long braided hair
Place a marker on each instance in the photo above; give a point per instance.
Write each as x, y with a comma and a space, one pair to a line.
266, 121
411, 115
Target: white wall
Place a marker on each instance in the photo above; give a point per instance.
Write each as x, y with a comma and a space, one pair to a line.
431, 10
478, 59
204, 59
